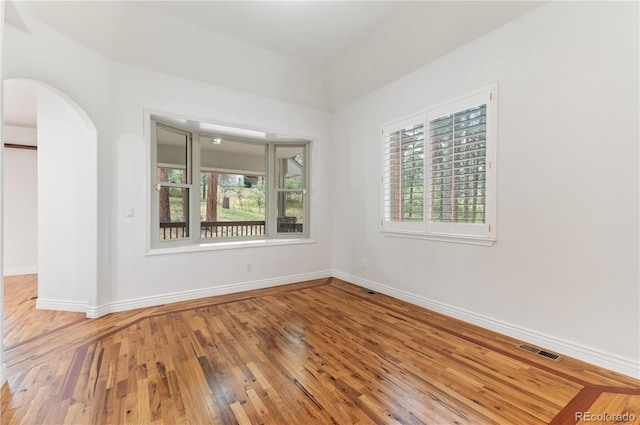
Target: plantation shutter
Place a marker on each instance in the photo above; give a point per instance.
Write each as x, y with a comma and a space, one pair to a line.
439, 174
403, 180
458, 144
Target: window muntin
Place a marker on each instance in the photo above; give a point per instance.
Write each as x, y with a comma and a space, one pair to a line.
223, 186
457, 164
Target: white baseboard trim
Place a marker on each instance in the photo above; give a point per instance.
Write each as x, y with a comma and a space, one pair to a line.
63, 305
20, 270
594, 356
98, 311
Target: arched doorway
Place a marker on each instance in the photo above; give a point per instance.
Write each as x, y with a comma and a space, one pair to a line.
66, 201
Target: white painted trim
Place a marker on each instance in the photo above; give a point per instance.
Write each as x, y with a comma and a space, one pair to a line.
626, 366
464, 239
20, 271
98, 311
62, 305
230, 244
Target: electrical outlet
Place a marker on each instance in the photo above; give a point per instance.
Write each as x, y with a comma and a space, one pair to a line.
363, 264
249, 267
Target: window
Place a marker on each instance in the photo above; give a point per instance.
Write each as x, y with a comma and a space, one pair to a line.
439, 172
290, 188
215, 183
232, 188
173, 182
404, 174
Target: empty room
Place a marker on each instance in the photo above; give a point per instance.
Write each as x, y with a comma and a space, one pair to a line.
320, 212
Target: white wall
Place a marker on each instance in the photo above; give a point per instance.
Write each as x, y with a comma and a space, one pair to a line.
46, 56
67, 205
20, 135
167, 43
564, 271
114, 96
141, 279
239, 65
20, 211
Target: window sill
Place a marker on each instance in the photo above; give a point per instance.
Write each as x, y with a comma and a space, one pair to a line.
219, 246
461, 239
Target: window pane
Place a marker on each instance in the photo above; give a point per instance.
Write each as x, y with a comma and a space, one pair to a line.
290, 212
174, 212
232, 188
290, 167
171, 175
172, 155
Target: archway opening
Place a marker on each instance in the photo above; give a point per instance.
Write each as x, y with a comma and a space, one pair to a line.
66, 204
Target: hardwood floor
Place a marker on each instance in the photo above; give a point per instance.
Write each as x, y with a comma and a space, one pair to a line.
318, 352
22, 321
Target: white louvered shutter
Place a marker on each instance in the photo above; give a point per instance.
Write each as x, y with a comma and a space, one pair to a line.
461, 154
439, 179
458, 162
403, 179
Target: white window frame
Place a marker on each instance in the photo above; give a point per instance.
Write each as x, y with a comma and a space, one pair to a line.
476, 234
194, 242
272, 196
155, 192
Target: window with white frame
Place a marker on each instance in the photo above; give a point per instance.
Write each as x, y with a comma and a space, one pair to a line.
214, 183
439, 172
403, 182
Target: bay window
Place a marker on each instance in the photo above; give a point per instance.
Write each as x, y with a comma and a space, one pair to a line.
214, 184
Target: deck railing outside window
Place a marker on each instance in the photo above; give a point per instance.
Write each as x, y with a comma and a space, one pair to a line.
213, 229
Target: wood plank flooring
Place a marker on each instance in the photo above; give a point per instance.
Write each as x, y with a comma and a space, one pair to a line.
318, 352
21, 319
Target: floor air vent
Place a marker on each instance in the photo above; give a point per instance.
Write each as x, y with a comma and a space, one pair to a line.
539, 352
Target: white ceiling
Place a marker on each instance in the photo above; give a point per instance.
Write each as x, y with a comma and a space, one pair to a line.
315, 32
329, 52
